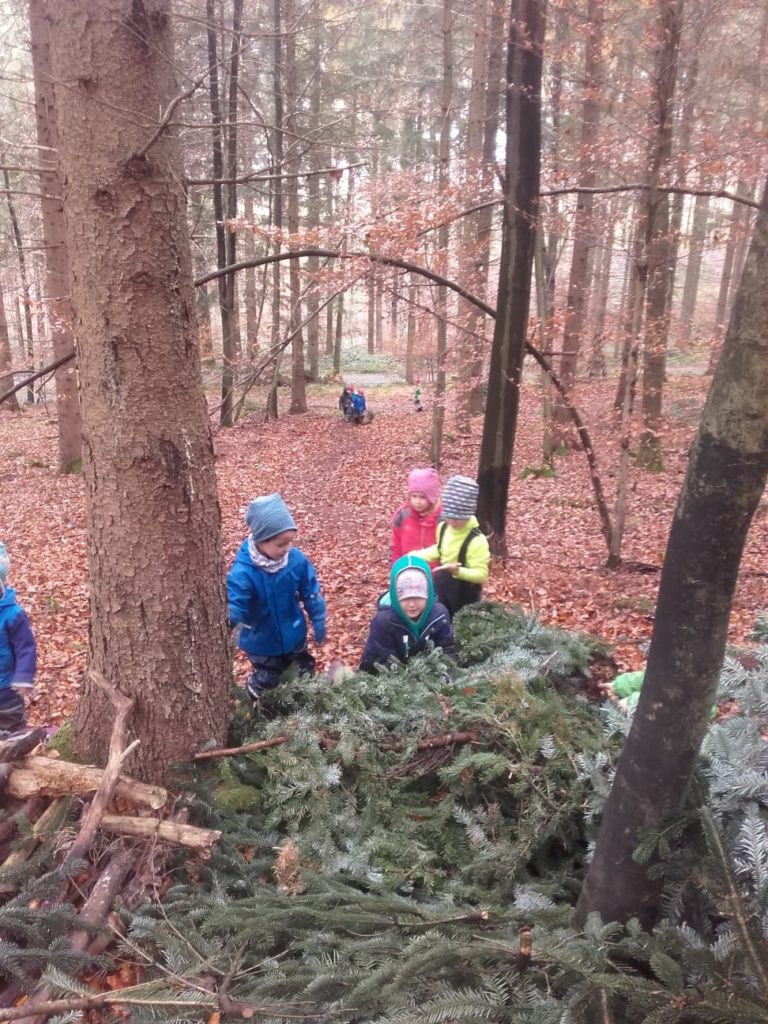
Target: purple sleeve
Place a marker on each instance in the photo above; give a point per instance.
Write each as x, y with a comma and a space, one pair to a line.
24, 650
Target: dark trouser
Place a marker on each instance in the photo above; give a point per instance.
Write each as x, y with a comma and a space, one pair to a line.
453, 593
12, 719
268, 669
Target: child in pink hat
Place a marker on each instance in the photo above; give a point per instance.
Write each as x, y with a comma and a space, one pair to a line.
415, 523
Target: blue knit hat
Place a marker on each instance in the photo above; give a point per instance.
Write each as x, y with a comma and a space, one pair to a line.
267, 516
5, 563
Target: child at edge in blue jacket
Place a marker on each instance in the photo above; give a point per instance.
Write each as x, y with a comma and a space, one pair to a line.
268, 582
18, 656
412, 619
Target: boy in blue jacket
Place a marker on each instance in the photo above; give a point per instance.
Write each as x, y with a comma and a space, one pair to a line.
411, 621
18, 656
268, 582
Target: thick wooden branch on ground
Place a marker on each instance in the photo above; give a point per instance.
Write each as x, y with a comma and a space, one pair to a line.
163, 831
117, 754
93, 913
46, 776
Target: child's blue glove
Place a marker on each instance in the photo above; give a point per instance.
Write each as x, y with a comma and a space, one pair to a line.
318, 628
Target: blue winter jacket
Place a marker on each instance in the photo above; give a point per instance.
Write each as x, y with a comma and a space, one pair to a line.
267, 604
18, 653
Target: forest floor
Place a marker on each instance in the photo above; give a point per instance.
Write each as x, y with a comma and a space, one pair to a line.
343, 484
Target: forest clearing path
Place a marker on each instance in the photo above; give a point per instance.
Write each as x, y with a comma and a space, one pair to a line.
343, 484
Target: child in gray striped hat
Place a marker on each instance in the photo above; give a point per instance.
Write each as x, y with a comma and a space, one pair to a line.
461, 549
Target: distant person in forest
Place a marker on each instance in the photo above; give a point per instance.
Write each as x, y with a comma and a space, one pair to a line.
345, 401
415, 523
411, 622
267, 584
357, 399
18, 656
417, 395
461, 548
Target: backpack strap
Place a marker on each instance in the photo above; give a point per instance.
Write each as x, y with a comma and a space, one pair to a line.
474, 532
440, 534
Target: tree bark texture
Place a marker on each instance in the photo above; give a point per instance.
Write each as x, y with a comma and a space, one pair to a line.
157, 612
693, 267
6, 362
226, 289
583, 228
726, 476
277, 187
660, 247
57, 295
521, 189
298, 382
26, 333
443, 234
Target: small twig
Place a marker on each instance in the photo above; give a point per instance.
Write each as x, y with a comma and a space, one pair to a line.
276, 741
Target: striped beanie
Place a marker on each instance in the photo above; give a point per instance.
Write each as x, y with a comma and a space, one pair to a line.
460, 497
5, 563
267, 516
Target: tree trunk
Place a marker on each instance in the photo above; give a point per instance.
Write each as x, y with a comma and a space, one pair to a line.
277, 183
469, 317
26, 336
660, 246
313, 204
410, 336
54, 239
443, 234
6, 362
251, 314
370, 288
521, 189
298, 383
226, 414
583, 228
693, 269
157, 612
230, 236
726, 476
597, 366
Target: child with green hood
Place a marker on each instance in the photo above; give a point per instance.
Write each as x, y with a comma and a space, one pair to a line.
412, 620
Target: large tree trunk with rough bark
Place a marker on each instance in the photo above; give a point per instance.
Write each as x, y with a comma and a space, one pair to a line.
521, 190
726, 476
158, 618
54, 239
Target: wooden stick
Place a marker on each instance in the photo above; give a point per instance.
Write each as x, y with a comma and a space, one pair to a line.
94, 912
446, 740
276, 741
18, 746
109, 780
163, 831
46, 776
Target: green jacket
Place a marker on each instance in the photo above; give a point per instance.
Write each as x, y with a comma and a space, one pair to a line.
478, 558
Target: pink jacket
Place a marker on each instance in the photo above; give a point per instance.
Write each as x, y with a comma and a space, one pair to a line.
411, 532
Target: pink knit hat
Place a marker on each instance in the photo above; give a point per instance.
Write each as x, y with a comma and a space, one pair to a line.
426, 482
